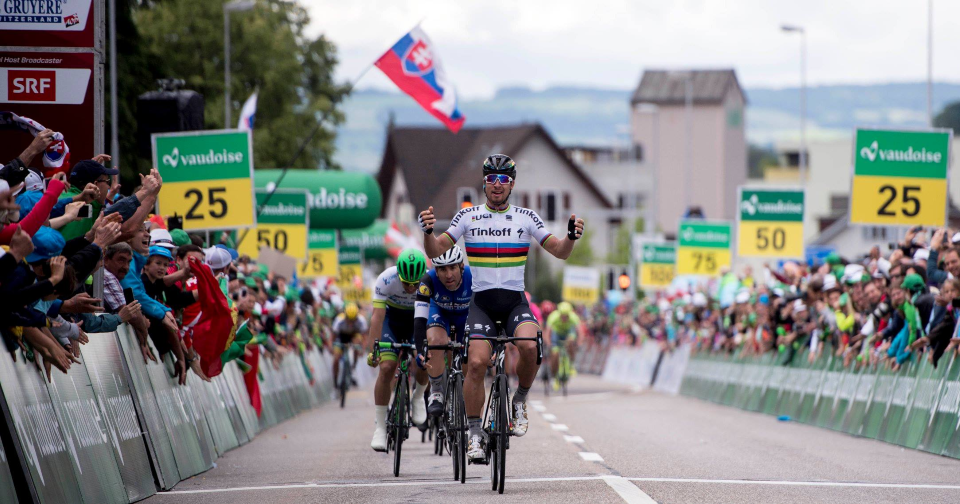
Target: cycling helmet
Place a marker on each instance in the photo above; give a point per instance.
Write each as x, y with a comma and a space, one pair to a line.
547, 307
500, 163
411, 265
565, 308
351, 311
452, 256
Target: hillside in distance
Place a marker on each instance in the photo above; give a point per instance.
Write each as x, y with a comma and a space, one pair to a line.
598, 117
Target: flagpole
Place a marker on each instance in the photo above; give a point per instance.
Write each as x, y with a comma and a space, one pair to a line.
303, 146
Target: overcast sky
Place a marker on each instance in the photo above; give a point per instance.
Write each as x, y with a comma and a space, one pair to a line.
486, 44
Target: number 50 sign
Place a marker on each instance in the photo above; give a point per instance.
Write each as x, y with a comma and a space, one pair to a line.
900, 177
207, 178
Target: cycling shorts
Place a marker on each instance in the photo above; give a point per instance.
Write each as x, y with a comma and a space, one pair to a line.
498, 305
445, 320
397, 328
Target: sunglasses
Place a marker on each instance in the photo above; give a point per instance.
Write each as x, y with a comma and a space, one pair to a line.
495, 177
103, 181
414, 284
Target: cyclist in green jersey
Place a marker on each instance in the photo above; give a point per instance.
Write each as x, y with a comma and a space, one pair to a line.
563, 326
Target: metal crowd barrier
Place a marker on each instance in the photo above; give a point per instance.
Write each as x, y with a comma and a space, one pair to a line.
116, 429
917, 407
647, 366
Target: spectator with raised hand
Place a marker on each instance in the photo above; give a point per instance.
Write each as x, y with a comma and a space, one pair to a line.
38, 214
34, 188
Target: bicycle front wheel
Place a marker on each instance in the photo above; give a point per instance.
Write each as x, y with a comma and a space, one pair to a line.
503, 431
458, 428
401, 424
344, 381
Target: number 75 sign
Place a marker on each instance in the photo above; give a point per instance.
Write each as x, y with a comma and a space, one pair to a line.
207, 178
900, 177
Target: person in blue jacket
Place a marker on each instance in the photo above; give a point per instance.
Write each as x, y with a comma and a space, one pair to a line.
443, 300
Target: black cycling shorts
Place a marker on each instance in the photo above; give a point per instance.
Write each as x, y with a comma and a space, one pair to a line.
508, 307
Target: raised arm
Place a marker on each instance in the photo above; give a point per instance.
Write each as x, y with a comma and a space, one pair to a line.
434, 246
561, 248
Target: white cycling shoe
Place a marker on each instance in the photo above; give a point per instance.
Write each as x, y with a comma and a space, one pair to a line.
418, 409
379, 442
520, 422
475, 449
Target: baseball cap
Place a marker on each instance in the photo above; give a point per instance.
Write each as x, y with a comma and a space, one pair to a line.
234, 255
913, 283
161, 238
47, 243
87, 171
179, 237
217, 258
33, 182
798, 306
159, 250
829, 282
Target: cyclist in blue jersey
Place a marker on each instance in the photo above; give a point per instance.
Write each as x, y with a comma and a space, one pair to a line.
497, 237
443, 301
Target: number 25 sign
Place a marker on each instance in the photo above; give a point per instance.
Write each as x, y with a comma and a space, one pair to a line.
900, 177
207, 178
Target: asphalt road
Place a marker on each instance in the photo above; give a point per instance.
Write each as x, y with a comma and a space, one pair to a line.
602, 444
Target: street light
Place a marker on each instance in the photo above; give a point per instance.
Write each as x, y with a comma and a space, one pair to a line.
235, 6
803, 96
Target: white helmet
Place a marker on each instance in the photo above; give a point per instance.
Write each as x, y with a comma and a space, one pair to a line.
452, 256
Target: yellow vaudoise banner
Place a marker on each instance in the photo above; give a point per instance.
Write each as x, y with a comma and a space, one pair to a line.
322, 259
704, 247
581, 285
770, 222
900, 177
282, 224
207, 178
658, 265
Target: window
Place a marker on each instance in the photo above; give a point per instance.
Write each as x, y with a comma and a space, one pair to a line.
839, 203
525, 200
549, 209
875, 233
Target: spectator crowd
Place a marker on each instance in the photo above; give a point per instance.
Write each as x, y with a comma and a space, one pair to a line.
880, 309
68, 231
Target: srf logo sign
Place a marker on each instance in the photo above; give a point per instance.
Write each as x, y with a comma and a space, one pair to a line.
31, 85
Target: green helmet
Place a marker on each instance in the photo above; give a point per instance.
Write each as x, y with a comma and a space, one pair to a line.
411, 265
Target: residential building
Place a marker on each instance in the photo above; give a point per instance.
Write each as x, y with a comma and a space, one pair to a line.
699, 155
424, 167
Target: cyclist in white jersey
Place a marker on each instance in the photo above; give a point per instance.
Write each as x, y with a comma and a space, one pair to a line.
394, 296
497, 238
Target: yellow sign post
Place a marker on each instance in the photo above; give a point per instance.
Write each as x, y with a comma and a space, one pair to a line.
322, 260
283, 224
658, 265
704, 247
770, 223
900, 177
207, 178
581, 285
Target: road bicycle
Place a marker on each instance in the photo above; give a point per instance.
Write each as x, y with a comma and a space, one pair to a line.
452, 427
346, 373
496, 417
564, 367
398, 417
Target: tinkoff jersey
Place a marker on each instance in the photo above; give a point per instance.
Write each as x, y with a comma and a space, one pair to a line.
497, 243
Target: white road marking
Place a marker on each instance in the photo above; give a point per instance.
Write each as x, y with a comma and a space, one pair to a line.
536, 403
630, 493
560, 427
550, 417
591, 456
851, 484
539, 408
486, 481
573, 439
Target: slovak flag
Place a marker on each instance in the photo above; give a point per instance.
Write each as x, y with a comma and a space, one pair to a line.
414, 66
248, 113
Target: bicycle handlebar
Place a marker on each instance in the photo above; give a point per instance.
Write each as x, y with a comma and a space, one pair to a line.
509, 339
448, 346
387, 344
